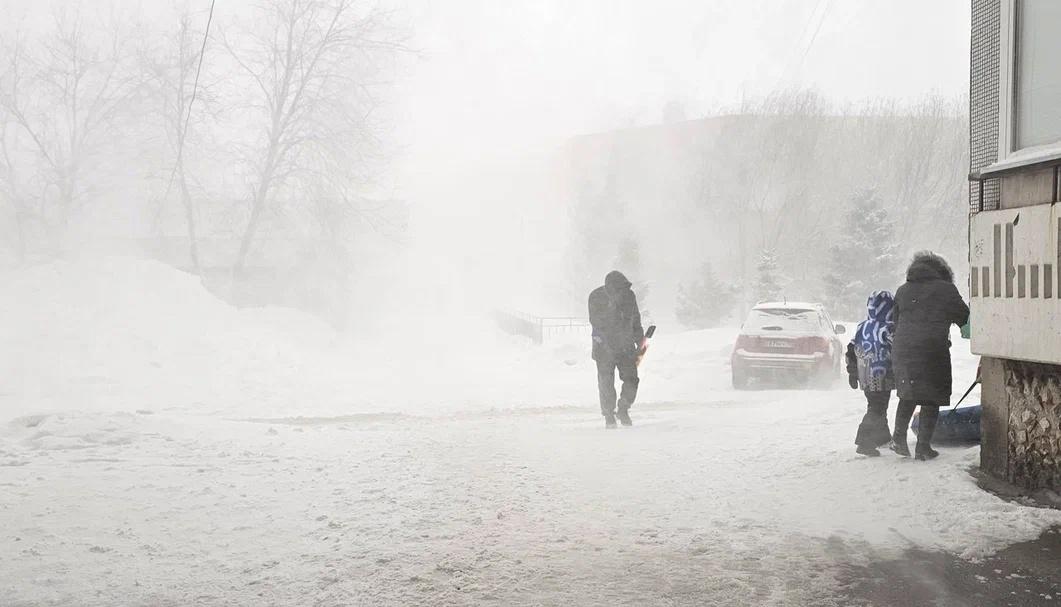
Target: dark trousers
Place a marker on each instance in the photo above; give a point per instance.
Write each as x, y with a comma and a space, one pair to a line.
926, 425
606, 366
873, 431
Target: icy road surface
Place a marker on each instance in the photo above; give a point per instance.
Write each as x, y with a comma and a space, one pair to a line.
734, 502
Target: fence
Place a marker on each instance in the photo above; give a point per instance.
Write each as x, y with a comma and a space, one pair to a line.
540, 328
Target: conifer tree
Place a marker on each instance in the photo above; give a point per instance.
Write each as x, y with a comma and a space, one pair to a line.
864, 259
706, 301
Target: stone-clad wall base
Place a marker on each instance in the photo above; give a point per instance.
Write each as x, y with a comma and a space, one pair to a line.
1034, 426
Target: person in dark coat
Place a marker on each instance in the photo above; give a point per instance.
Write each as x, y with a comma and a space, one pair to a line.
617, 336
869, 366
925, 308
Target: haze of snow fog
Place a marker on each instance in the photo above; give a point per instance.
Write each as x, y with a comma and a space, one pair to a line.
293, 300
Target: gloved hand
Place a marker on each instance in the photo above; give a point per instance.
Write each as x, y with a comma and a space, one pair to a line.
852, 380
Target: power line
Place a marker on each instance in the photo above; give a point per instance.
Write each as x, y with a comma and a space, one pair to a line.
825, 13
792, 62
191, 102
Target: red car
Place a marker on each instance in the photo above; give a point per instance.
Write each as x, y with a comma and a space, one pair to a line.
787, 341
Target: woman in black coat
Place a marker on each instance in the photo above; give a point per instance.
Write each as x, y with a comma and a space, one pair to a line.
925, 308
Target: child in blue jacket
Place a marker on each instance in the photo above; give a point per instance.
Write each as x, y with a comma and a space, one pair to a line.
869, 366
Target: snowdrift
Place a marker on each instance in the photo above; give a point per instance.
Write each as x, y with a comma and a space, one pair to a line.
134, 334
121, 334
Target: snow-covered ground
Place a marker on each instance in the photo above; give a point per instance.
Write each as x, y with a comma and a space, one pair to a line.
158, 447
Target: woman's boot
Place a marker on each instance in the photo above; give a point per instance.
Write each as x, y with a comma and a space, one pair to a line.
925, 429
902, 423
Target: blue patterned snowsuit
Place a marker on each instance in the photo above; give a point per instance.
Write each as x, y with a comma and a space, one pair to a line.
869, 359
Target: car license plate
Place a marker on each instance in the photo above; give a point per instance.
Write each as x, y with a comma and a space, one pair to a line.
777, 343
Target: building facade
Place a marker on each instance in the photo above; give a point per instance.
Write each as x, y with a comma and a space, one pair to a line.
1014, 235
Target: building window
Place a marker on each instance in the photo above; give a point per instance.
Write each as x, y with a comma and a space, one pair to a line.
1029, 81
1036, 86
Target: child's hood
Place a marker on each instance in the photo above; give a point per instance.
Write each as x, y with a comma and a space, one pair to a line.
880, 306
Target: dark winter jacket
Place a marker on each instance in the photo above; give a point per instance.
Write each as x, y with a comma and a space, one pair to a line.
925, 308
615, 318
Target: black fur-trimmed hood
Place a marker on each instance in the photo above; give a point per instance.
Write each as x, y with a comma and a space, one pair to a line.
929, 266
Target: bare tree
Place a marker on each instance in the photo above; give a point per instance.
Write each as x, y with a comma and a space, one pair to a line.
767, 194
10, 190
780, 173
66, 92
171, 84
929, 172
313, 66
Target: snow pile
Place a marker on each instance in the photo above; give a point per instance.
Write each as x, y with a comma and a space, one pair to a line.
129, 334
123, 334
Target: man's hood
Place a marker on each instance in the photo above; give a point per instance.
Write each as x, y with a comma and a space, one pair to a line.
929, 266
615, 282
880, 305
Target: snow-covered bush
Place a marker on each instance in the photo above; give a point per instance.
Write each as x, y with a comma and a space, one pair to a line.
705, 302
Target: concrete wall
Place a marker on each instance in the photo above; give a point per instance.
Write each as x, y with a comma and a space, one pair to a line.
994, 422
1021, 427
1031, 188
1021, 422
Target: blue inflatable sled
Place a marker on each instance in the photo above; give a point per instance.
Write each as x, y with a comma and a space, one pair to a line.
955, 425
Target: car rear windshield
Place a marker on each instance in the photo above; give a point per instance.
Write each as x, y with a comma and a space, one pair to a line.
783, 319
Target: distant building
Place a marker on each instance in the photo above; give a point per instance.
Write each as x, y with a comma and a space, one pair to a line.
1014, 235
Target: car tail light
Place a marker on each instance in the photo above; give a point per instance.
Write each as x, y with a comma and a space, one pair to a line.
811, 345
745, 342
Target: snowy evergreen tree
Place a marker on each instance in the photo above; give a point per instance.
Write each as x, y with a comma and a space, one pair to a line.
864, 258
628, 261
706, 301
768, 284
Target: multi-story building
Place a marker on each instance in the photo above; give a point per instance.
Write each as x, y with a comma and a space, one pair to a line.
1014, 235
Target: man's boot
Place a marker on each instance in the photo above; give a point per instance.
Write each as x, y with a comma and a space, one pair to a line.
609, 421
902, 423
624, 416
925, 430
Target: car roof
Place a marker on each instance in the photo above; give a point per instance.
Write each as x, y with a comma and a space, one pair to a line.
788, 305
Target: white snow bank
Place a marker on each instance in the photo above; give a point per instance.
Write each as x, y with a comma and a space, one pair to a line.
123, 334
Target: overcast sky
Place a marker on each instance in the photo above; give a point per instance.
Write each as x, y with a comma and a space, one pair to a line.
494, 71
494, 77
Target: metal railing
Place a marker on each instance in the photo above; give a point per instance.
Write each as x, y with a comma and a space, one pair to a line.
540, 328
